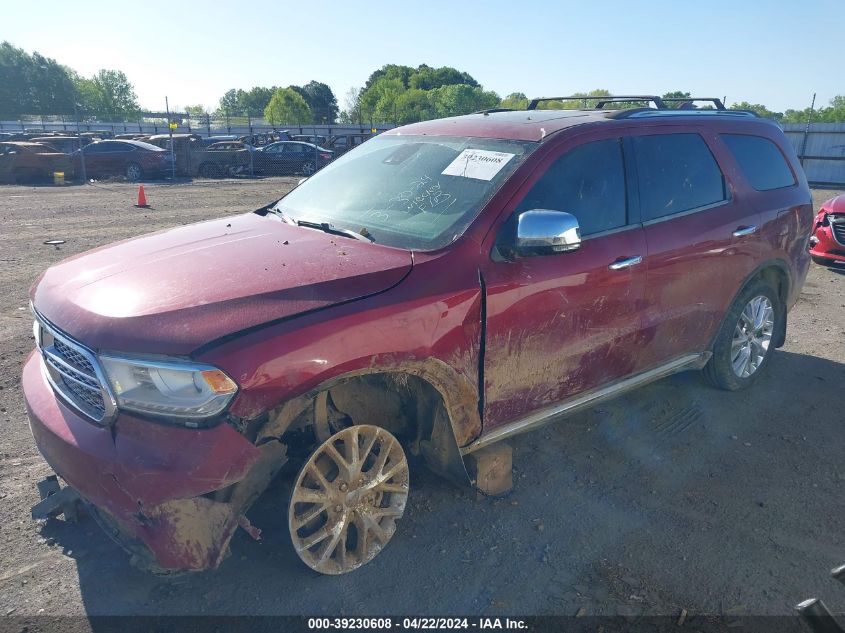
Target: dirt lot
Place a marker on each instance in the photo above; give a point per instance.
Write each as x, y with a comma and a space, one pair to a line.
678, 496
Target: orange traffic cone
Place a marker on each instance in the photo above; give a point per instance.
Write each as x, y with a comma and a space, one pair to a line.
142, 199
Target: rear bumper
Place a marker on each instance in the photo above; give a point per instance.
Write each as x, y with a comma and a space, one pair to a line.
148, 477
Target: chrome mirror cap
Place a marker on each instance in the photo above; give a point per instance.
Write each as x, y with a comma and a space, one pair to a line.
545, 232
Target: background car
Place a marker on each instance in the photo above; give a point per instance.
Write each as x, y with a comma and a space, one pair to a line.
291, 157
133, 159
222, 159
64, 144
28, 162
827, 243
309, 138
342, 143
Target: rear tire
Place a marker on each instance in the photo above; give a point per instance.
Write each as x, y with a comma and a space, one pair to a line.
746, 339
308, 168
821, 261
134, 172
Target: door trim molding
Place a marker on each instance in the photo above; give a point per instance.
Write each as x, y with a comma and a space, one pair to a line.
549, 414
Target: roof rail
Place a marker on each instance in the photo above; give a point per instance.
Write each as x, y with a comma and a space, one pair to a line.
493, 110
687, 102
601, 101
641, 113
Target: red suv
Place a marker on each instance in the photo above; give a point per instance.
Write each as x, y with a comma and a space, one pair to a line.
441, 288
827, 243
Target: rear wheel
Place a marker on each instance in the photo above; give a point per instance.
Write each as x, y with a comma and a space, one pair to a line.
308, 168
134, 172
347, 498
744, 344
821, 261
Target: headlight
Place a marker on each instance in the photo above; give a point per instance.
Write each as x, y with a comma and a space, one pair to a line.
169, 388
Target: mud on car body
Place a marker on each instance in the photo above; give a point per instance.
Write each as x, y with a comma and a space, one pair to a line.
435, 291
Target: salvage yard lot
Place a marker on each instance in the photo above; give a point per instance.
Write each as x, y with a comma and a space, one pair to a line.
675, 497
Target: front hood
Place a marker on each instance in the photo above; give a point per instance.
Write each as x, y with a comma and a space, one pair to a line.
173, 291
834, 205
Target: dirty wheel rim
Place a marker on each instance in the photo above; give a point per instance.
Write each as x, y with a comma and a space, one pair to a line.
347, 499
133, 172
308, 169
752, 336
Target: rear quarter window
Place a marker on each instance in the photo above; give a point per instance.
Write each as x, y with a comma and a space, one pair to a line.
760, 160
676, 173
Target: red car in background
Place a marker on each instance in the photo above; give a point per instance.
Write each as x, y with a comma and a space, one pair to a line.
22, 162
827, 244
135, 160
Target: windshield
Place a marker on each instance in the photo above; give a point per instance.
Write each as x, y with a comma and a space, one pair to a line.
414, 192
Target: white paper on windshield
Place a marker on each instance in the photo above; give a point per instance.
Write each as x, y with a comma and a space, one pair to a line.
480, 164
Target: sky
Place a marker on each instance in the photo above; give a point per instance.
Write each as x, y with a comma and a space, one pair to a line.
770, 52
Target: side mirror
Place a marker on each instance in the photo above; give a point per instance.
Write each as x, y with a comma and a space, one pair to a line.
544, 232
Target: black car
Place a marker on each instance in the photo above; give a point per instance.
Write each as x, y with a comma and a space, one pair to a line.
291, 157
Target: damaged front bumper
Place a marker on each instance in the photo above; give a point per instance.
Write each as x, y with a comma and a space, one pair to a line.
172, 493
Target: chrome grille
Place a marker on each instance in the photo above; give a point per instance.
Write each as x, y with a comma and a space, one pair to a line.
837, 225
75, 374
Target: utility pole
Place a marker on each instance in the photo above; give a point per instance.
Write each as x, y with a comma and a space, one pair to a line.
807, 131
172, 148
79, 140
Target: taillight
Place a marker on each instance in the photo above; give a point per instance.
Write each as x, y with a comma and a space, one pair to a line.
326, 156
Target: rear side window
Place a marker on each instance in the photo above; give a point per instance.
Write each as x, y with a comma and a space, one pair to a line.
760, 160
676, 173
588, 182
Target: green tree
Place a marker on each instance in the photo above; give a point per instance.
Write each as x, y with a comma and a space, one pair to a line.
33, 84
390, 71
583, 102
457, 99
320, 99
287, 106
195, 110
515, 101
427, 78
231, 103
833, 113
352, 107
414, 105
378, 101
255, 100
759, 109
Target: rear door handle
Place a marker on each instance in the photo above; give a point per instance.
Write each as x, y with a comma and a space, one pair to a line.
619, 264
745, 230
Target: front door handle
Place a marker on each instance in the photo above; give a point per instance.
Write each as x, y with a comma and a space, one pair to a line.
619, 264
745, 230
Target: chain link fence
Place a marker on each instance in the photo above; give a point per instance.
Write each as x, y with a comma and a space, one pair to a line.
208, 146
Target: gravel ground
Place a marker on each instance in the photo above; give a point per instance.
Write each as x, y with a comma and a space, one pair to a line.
675, 497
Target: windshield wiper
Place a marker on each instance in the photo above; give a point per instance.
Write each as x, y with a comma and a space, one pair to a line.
277, 211
328, 228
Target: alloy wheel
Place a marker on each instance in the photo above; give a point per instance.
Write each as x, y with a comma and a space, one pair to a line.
347, 499
752, 336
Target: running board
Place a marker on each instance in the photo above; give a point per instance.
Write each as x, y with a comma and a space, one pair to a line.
544, 416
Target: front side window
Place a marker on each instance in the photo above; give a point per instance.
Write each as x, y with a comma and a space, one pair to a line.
676, 173
760, 160
414, 192
588, 182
